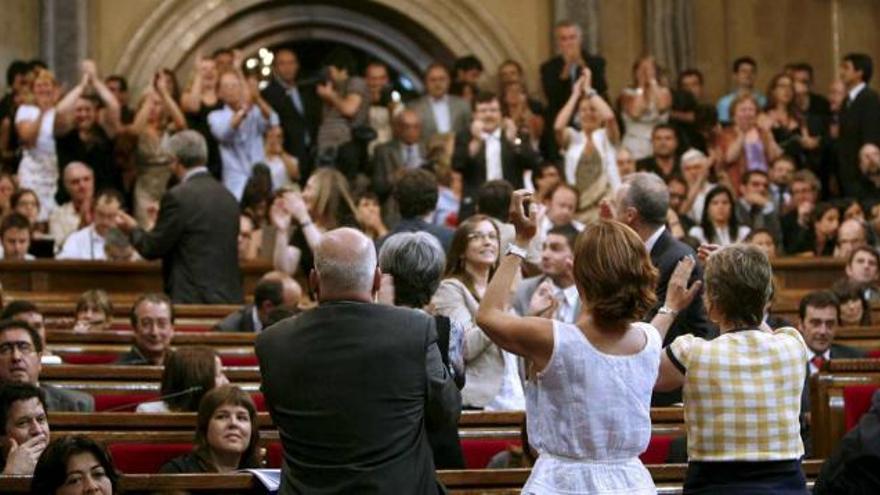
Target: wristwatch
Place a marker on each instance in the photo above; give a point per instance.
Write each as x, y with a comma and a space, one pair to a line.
516, 251
666, 310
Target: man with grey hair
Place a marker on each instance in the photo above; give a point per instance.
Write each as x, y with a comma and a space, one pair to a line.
196, 234
353, 385
642, 202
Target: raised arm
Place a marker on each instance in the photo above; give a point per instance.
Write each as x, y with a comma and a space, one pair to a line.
529, 337
112, 115
564, 116
171, 107
678, 295
64, 109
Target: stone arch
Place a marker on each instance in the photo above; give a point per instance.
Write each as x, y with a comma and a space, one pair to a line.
404, 33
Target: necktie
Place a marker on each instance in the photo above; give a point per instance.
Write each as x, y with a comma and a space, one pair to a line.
818, 361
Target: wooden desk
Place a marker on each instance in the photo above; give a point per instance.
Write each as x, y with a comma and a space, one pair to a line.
827, 423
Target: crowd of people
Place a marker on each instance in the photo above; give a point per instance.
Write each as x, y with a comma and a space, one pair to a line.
539, 252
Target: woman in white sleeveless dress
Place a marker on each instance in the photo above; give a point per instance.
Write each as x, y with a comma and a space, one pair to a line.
35, 122
588, 402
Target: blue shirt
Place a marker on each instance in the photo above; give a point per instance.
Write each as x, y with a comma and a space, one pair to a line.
240, 148
724, 103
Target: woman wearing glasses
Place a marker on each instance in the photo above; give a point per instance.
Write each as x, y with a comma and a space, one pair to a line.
492, 377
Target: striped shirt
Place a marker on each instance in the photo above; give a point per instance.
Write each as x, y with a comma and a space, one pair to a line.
742, 394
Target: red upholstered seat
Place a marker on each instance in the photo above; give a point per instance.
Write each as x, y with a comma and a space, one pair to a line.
124, 402
274, 455
259, 401
478, 452
239, 360
874, 354
145, 458
89, 358
658, 450
856, 402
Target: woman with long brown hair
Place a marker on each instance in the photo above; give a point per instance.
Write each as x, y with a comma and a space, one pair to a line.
492, 381
189, 373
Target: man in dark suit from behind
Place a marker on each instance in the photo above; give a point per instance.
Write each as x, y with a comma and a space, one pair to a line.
642, 202
196, 234
859, 121
20, 350
352, 385
559, 74
275, 289
297, 109
818, 318
416, 195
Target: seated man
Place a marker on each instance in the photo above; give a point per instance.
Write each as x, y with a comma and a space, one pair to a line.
755, 208
862, 268
88, 242
552, 294
79, 182
152, 319
276, 289
851, 234
27, 312
20, 351
15, 234
25, 428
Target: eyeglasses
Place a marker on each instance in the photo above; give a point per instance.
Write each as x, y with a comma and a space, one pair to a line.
492, 236
24, 348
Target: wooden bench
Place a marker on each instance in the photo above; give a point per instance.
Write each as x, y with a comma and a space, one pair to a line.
76, 276
668, 478
212, 339
828, 406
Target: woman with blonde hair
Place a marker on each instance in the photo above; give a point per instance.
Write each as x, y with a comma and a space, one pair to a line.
35, 124
588, 401
324, 204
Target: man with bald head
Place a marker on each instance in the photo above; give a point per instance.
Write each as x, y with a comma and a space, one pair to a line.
851, 234
296, 106
79, 182
352, 385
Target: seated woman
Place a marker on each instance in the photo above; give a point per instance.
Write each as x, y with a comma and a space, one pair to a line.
492, 376
227, 435
587, 406
75, 465
190, 372
94, 312
821, 238
718, 224
742, 390
26, 202
855, 311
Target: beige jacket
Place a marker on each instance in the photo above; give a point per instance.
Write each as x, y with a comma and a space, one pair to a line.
484, 364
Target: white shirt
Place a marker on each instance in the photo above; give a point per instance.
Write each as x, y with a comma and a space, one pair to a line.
45, 143
649, 244
855, 91
440, 107
84, 244
27, 256
255, 317
511, 396
825, 355
493, 155
568, 300
411, 155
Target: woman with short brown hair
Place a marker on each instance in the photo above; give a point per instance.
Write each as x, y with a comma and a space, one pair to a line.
588, 404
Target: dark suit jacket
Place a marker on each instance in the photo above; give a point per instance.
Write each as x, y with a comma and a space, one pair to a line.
514, 161
665, 255
387, 163
60, 400
859, 124
133, 357
558, 90
239, 321
443, 234
351, 387
196, 236
296, 125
